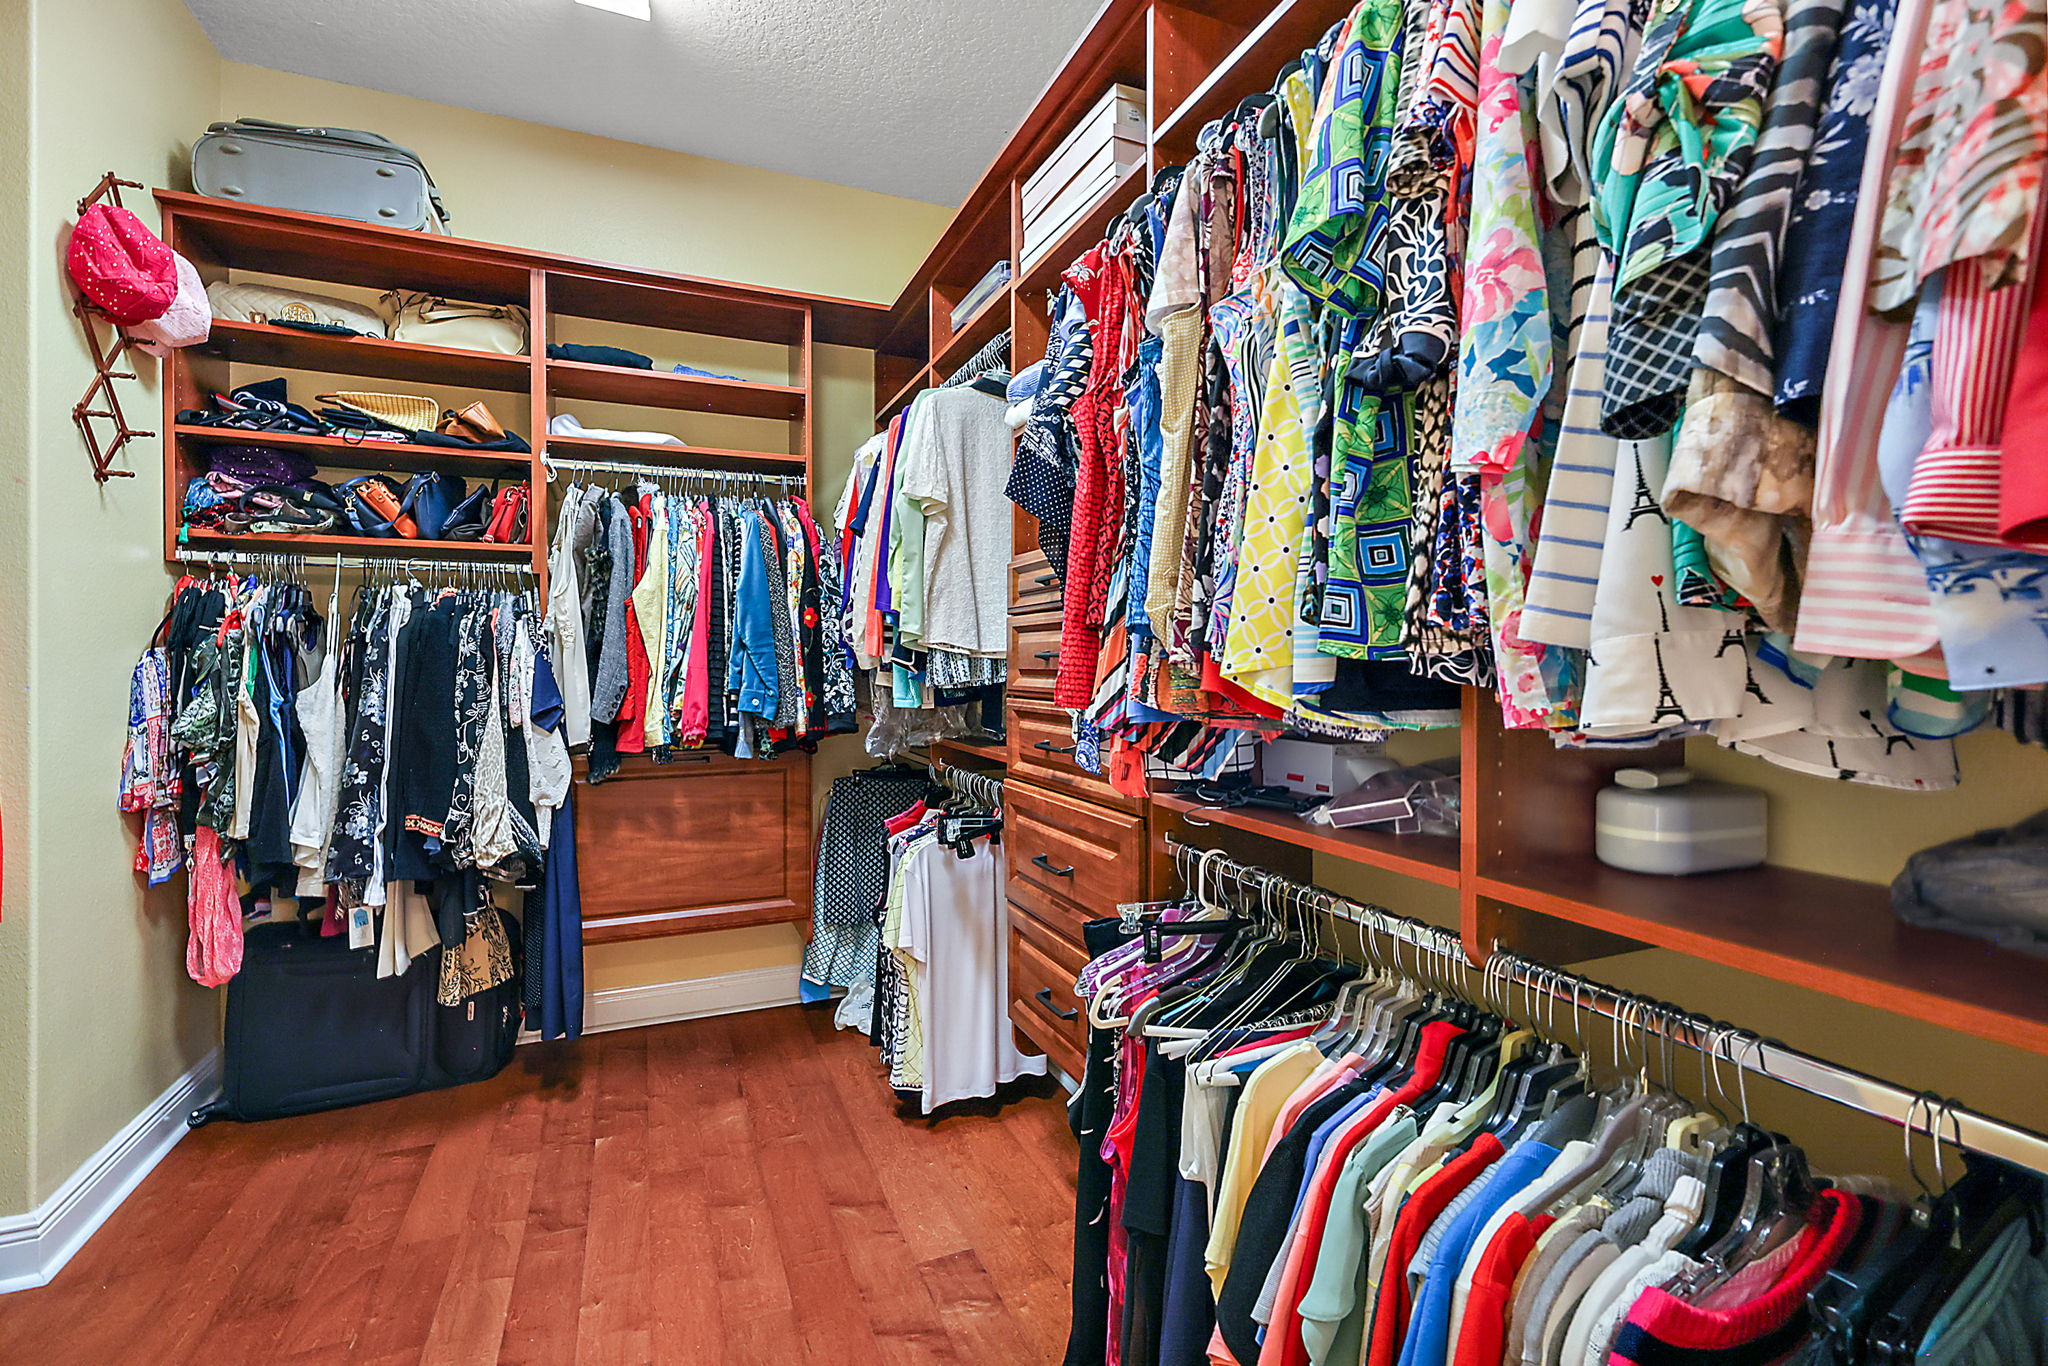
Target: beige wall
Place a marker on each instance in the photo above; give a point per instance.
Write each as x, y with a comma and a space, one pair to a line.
16, 961
110, 1018
96, 1015
509, 181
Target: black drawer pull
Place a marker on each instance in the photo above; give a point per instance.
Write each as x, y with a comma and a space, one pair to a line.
1050, 748
1045, 999
1046, 655
1046, 863
1046, 580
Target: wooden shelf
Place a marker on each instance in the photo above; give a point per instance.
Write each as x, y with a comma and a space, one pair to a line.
1087, 230
994, 752
262, 344
901, 399
1827, 934
1289, 28
986, 323
684, 458
364, 455
257, 237
1431, 858
662, 389
391, 548
647, 304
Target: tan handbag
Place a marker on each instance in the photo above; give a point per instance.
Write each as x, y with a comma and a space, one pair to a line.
474, 423
434, 321
414, 412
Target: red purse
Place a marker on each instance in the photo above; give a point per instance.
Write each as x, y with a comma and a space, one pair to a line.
508, 517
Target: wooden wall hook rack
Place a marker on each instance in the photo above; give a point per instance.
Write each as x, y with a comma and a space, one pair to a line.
101, 402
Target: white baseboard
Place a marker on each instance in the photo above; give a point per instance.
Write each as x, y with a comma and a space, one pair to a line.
667, 1002
35, 1246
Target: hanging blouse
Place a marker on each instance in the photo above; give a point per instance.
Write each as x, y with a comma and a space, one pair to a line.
1864, 594
1968, 169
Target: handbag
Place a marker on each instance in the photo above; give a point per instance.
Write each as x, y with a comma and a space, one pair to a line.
431, 499
434, 321
508, 517
376, 507
467, 521
413, 412
242, 303
473, 423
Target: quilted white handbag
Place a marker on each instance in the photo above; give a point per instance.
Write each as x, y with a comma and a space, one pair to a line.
268, 304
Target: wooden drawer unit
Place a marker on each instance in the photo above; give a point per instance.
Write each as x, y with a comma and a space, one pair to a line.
1070, 857
707, 843
1034, 656
1042, 997
1042, 752
1033, 585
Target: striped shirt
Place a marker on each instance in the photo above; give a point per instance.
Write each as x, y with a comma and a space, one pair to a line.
1865, 595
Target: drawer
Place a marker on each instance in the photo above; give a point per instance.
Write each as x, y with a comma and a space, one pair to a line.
1042, 752
1068, 856
1033, 585
1041, 996
1034, 656
1057, 925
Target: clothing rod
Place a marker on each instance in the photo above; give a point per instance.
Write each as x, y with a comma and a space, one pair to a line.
1917, 1112
677, 471
262, 558
981, 787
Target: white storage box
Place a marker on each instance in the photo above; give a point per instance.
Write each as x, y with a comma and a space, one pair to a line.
1107, 142
1666, 822
1313, 768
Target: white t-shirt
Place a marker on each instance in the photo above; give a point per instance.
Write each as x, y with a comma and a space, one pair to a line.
955, 462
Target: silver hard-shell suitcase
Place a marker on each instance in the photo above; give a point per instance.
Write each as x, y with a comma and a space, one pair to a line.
341, 172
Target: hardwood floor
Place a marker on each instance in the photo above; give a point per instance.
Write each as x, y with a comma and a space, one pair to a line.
733, 1190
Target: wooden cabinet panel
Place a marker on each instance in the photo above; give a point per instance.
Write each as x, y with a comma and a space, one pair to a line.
1041, 1000
705, 844
1042, 752
1034, 656
1064, 852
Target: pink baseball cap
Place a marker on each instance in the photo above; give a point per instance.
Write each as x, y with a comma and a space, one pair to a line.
121, 265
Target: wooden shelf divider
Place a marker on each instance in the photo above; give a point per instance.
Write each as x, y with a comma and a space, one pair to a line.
685, 393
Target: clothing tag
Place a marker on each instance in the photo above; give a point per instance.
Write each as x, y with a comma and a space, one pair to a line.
362, 934
1153, 948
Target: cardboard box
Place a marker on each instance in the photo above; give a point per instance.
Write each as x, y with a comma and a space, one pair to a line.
1314, 768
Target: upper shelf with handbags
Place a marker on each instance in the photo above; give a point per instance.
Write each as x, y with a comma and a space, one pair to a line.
454, 319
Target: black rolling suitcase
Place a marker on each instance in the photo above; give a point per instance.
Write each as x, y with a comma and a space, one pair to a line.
310, 1026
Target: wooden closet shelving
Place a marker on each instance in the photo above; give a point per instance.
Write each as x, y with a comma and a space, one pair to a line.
1523, 865
707, 842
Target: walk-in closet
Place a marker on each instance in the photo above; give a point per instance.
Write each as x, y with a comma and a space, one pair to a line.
1081, 683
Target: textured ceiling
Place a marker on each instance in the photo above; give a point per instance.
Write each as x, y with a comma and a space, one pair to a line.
909, 97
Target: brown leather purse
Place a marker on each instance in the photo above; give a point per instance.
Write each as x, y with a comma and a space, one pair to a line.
473, 423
